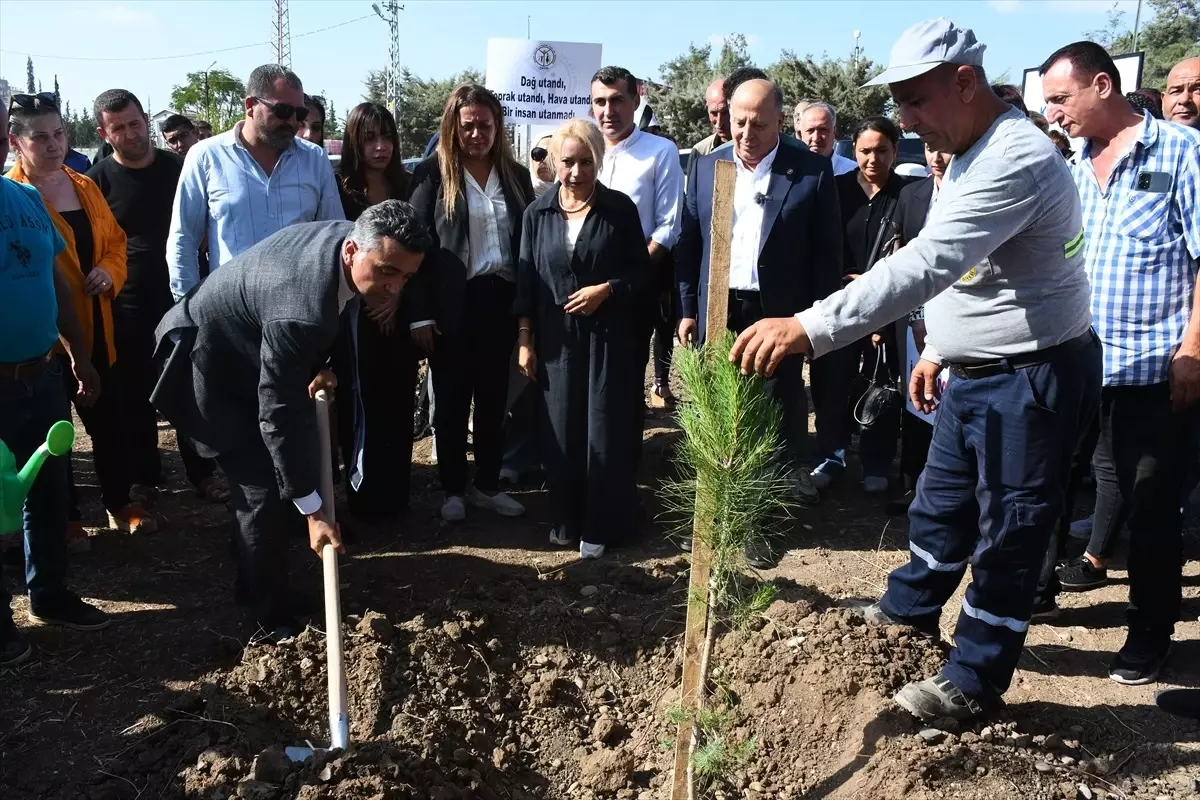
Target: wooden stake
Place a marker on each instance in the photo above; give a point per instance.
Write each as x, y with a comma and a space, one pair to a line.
696, 632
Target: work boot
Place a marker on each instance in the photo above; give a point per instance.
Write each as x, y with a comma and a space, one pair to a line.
936, 698
874, 614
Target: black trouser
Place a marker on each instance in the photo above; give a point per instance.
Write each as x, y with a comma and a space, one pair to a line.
665, 320
265, 523
134, 332
104, 422
472, 363
785, 387
1140, 453
915, 437
840, 390
383, 399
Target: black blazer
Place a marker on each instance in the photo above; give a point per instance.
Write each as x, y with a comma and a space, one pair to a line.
913, 208
437, 290
611, 248
800, 255
237, 354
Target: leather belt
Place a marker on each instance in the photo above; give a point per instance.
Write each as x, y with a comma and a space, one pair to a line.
750, 295
26, 369
987, 369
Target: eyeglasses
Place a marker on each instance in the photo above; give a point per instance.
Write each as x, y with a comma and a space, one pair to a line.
176, 138
34, 102
538, 154
285, 110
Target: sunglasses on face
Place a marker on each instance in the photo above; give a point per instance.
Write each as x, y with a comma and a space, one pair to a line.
538, 154
34, 102
178, 137
285, 110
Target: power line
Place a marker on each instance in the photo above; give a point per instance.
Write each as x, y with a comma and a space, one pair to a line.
185, 55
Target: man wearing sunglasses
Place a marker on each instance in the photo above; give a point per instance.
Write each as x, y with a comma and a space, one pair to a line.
241, 186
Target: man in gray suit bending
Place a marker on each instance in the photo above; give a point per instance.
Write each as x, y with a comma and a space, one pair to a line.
238, 357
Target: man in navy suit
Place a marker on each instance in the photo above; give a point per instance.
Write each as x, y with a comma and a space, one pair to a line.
786, 250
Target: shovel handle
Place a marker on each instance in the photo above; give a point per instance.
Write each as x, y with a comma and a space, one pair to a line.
339, 722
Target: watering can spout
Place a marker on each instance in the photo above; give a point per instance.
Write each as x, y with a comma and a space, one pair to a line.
15, 485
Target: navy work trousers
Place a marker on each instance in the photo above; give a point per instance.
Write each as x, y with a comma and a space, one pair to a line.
990, 496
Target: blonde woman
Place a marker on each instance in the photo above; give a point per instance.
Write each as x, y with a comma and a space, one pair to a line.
471, 194
583, 269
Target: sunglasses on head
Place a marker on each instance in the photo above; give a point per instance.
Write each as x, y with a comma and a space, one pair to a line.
285, 110
34, 102
538, 154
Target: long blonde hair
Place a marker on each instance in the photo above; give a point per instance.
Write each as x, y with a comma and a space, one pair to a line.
450, 156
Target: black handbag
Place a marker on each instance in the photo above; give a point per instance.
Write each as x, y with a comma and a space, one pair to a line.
882, 397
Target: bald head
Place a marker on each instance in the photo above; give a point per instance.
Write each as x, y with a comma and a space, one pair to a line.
1181, 100
718, 109
755, 113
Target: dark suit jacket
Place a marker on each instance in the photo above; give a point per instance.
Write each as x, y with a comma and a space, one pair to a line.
914, 206
250, 338
800, 256
437, 290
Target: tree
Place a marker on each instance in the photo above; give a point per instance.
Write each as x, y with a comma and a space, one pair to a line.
30, 83
376, 87
1172, 35
333, 129
837, 82
57, 95
213, 95
678, 99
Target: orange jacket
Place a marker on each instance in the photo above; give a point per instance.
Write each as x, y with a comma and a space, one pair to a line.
109, 255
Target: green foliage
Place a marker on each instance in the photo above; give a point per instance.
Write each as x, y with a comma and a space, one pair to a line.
214, 95
1171, 35
717, 755
837, 82
731, 451
679, 98
30, 82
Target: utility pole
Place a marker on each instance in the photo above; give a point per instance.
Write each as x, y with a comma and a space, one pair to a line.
390, 13
208, 115
1137, 21
283, 34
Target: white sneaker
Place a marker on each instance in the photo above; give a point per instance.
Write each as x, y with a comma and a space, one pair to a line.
499, 502
453, 509
590, 550
559, 538
875, 484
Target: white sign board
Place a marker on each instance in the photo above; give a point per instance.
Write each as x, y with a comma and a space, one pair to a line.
913, 355
541, 83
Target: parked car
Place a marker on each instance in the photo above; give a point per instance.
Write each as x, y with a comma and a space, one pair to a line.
911, 150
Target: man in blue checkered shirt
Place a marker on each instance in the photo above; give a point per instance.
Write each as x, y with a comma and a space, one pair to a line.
1139, 185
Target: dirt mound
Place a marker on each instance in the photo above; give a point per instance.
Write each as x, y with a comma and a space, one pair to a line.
563, 686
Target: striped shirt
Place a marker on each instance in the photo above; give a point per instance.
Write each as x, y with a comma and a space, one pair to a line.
1141, 249
225, 195
487, 228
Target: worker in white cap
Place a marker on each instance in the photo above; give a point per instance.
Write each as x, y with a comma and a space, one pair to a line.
999, 267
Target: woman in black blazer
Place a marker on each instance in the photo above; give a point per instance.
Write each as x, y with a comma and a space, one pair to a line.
471, 195
374, 359
583, 271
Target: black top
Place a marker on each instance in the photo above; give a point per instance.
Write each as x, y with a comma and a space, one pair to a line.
861, 218
610, 248
85, 249
141, 200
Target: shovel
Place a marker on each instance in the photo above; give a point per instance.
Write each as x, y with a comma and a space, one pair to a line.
339, 722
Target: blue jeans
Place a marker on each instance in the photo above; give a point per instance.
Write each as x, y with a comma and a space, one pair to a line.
990, 496
28, 407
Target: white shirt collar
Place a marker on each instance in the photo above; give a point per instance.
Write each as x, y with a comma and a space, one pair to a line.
625, 143
763, 166
345, 292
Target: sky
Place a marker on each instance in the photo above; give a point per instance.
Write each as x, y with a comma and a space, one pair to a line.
160, 41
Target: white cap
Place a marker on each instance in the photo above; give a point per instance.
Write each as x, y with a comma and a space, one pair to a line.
929, 44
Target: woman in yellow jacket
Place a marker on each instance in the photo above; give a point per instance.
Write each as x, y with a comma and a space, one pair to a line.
93, 263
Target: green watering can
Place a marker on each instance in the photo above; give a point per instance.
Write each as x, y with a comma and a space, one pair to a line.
15, 485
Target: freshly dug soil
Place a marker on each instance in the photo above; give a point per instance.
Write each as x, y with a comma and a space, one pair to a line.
451, 704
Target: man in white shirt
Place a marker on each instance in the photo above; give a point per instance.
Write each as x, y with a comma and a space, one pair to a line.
243, 185
816, 126
786, 249
646, 168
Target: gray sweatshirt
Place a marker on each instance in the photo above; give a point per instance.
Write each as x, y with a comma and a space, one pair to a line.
999, 265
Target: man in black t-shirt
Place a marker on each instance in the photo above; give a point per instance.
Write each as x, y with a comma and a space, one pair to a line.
139, 182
